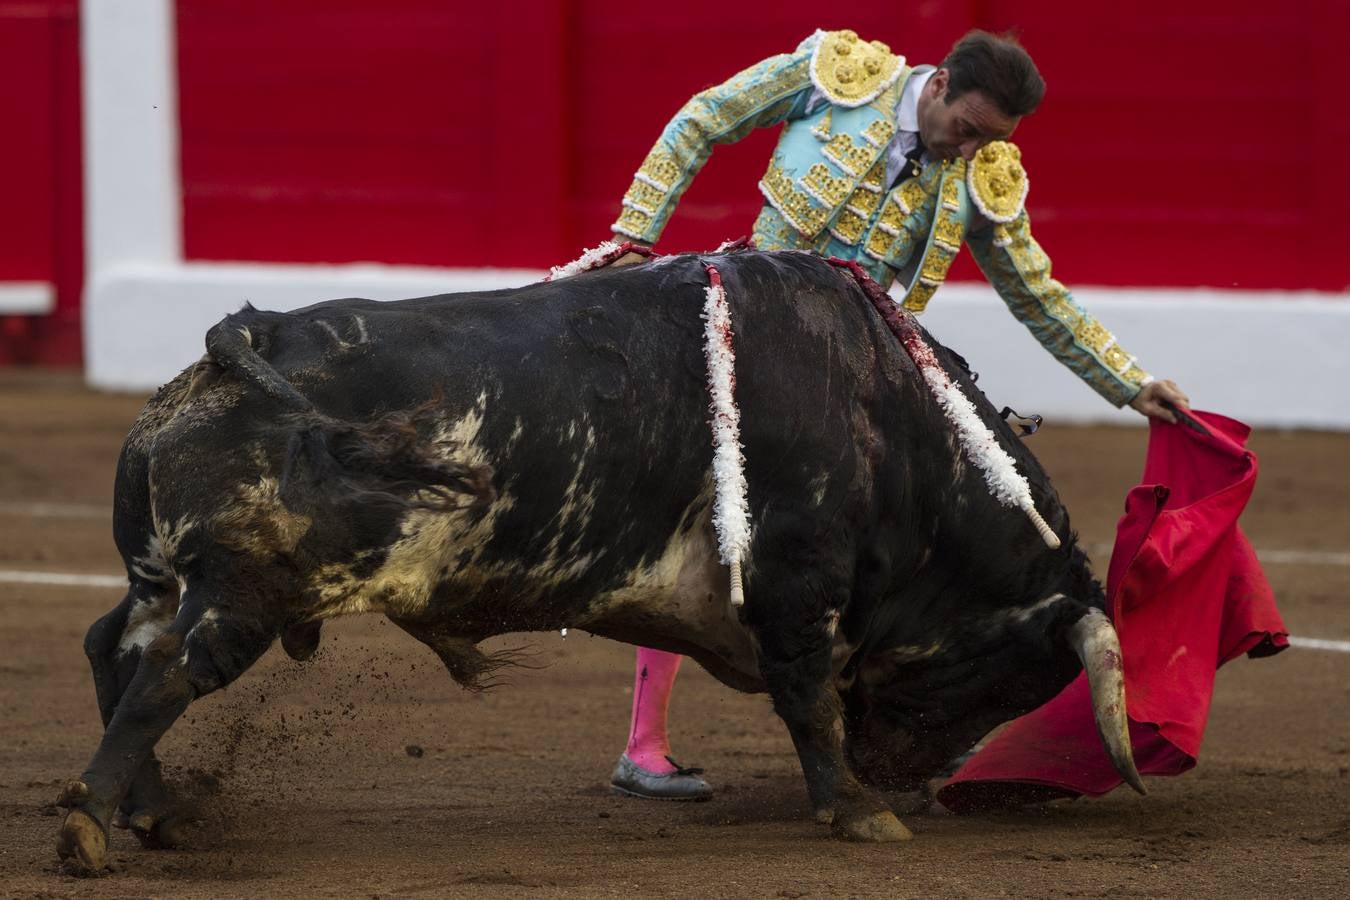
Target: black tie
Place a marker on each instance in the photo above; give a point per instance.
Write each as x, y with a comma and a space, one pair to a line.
911, 166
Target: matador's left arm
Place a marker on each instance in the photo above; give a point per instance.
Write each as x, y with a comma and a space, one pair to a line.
1019, 270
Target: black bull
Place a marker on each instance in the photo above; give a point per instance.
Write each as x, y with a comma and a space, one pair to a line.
539, 458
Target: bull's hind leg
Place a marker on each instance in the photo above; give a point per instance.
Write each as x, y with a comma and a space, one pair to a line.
201, 650
114, 645
795, 633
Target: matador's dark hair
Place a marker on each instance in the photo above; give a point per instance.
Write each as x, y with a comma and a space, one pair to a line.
998, 67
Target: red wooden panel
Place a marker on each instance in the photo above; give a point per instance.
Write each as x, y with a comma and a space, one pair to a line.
27, 176
1172, 146
40, 176
319, 131
1178, 145
634, 72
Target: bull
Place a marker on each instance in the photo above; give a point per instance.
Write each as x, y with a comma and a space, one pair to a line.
537, 459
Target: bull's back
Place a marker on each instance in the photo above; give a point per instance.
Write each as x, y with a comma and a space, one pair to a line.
586, 397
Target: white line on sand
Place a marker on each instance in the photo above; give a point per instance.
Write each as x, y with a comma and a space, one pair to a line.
1310, 557
67, 579
64, 579
1319, 644
41, 510
1269, 557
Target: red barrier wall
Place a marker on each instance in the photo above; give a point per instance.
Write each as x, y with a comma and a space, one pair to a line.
1176, 145
41, 235
1180, 144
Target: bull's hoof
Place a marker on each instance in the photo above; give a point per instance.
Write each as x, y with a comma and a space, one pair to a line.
873, 828
83, 844
73, 793
300, 641
160, 832
912, 803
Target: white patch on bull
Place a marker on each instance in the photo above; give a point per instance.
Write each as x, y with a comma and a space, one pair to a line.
1022, 614
148, 619
683, 595
154, 565
205, 624
255, 520
905, 653
333, 333
841, 651
831, 622
362, 334
817, 488
439, 546
164, 544
206, 619
880, 667
577, 505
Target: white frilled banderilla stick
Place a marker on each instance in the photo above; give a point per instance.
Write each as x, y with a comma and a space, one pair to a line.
731, 515
731, 511
1000, 473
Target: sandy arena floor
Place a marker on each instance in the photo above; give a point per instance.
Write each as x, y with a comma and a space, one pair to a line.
313, 784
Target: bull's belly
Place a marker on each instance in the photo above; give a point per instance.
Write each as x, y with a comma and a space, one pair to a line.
681, 603
436, 572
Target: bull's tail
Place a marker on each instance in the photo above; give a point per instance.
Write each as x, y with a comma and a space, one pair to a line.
389, 460
385, 461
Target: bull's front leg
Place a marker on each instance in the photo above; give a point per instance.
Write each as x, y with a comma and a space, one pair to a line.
795, 662
203, 649
114, 645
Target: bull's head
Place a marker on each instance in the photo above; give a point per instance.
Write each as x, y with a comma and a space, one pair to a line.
912, 707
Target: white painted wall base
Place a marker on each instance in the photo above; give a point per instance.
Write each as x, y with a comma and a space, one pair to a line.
1269, 359
145, 323
27, 298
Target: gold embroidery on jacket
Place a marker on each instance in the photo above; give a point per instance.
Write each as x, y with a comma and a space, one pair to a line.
632, 222
643, 197
855, 159
828, 190
848, 226
794, 206
659, 170
944, 242
879, 133
821, 129
1033, 267
998, 183
851, 72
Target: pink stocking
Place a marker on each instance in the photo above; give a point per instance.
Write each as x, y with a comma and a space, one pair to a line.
648, 743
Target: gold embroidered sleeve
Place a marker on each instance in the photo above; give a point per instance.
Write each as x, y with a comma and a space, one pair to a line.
761, 96
1019, 271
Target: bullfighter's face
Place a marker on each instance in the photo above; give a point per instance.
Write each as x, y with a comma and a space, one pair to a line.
959, 127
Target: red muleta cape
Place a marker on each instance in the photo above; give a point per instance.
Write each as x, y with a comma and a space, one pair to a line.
1186, 595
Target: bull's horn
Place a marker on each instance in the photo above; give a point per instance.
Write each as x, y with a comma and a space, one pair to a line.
1097, 646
